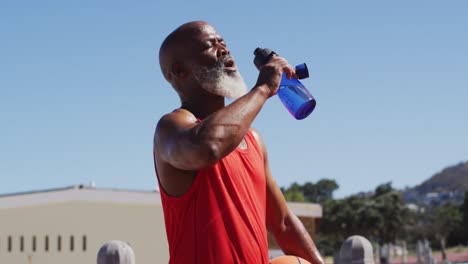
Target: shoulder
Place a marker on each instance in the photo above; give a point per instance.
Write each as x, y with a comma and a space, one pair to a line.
177, 118
172, 123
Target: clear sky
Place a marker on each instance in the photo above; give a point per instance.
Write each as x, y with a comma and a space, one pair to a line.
81, 89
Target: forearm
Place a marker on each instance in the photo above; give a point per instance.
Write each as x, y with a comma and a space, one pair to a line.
225, 129
295, 240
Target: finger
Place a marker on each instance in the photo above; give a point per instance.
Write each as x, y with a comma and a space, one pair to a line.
288, 73
289, 70
295, 76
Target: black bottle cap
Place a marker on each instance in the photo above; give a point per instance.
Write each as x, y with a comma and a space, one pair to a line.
262, 56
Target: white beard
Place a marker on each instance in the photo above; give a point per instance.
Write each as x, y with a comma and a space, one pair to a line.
216, 81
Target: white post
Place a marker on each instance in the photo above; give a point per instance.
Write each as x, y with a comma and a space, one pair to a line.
428, 258
403, 253
442, 247
419, 251
391, 252
377, 253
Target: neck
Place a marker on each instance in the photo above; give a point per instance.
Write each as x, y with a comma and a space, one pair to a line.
203, 106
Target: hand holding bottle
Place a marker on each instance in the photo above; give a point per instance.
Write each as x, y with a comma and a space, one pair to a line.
272, 71
292, 93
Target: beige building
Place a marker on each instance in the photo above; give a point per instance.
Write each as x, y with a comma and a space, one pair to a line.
69, 225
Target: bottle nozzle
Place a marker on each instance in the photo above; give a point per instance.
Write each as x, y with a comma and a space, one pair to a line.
262, 55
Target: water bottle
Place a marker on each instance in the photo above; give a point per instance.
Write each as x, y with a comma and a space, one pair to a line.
292, 93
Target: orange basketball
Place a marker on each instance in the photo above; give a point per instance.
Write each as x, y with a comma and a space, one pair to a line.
289, 260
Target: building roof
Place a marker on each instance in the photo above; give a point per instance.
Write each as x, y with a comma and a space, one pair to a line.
306, 209
92, 194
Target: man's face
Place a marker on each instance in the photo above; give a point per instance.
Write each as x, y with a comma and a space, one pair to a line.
213, 67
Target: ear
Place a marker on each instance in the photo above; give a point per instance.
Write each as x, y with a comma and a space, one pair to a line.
178, 71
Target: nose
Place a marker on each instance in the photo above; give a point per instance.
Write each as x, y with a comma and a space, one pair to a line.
223, 51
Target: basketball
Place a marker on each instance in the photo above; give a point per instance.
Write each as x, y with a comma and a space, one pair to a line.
289, 260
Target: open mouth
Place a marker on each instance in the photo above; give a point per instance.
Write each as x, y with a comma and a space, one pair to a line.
230, 65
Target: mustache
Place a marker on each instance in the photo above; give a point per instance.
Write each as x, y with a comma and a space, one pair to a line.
222, 61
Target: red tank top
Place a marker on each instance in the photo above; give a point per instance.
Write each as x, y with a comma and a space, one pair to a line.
222, 217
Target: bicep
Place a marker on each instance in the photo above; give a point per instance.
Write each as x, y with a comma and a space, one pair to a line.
176, 142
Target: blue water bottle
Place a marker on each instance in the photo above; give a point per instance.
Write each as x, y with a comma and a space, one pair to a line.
292, 93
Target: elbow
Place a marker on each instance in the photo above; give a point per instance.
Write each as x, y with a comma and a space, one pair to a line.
202, 156
216, 141
287, 223
211, 145
214, 148
292, 223
212, 153
280, 227
199, 157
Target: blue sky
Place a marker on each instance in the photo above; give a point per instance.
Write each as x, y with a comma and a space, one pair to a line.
81, 90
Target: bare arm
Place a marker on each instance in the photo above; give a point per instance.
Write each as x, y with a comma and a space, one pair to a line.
288, 230
190, 145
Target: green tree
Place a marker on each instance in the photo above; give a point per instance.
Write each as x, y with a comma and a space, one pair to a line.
294, 196
379, 217
354, 215
311, 192
295, 187
325, 189
448, 223
314, 192
393, 214
464, 213
332, 225
383, 189
293, 193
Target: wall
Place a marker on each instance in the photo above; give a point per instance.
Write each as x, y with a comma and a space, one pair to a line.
140, 225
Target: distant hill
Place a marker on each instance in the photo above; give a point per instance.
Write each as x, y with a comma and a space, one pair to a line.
453, 178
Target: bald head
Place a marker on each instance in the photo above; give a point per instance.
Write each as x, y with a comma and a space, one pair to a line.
194, 58
175, 47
